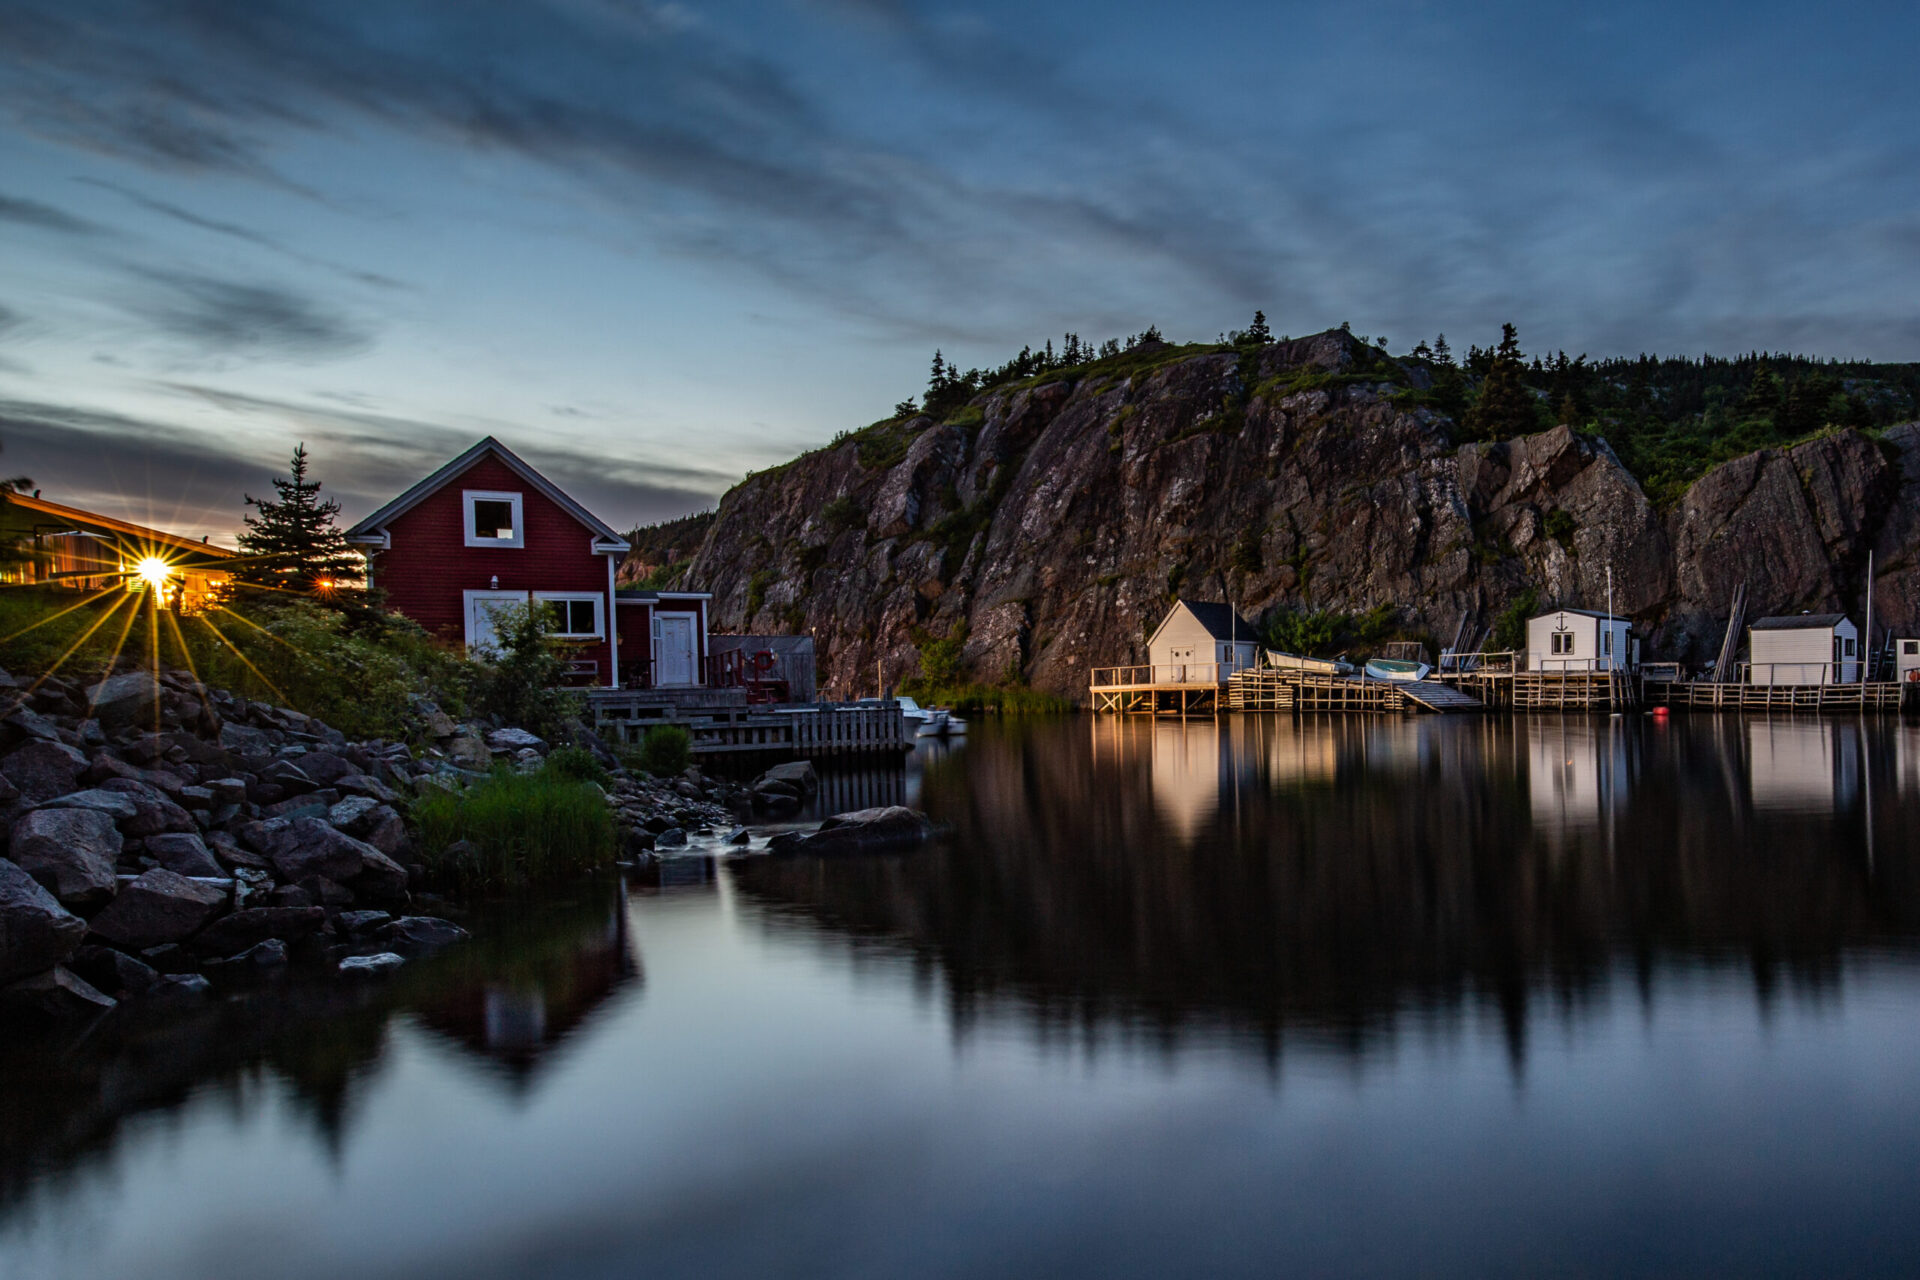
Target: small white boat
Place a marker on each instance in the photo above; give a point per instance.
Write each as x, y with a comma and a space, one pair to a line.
1397, 670
1315, 666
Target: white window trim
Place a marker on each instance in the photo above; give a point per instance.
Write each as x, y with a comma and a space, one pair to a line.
470, 496
599, 631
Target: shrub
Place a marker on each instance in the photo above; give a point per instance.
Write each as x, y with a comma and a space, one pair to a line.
666, 750
1510, 628
520, 681
576, 764
940, 660
1560, 526
520, 829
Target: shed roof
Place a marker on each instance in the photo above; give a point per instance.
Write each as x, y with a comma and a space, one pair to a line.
1801, 622
93, 522
1220, 620
1585, 613
372, 528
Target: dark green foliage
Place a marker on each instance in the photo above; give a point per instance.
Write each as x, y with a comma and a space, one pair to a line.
1510, 628
519, 681
757, 586
664, 577
1321, 632
577, 764
1012, 698
665, 751
520, 829
294, 542
843, 513
1245, 557
1504, 406
1560, 527
1256, 334
940, 660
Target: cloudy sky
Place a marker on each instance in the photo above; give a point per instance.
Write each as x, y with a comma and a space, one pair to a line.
655, 245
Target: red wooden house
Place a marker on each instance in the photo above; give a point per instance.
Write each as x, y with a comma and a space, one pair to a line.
487, 530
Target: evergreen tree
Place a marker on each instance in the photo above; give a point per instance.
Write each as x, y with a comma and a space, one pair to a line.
294, 542
1442, 353
1505, 406
1258, 331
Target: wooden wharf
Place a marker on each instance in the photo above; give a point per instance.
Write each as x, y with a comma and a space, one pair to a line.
1728, 695
718, 726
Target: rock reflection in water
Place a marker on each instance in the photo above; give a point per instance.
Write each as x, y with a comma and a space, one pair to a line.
1324, 877
530, 979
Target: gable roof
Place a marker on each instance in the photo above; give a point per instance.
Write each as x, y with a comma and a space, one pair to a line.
1583, 613
1800, 622
1219, 620
373, 527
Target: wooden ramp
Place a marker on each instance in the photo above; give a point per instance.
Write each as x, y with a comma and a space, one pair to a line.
1435, 696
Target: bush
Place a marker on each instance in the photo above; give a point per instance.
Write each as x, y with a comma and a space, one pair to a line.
520, 682
1510, 628
520, 829
576, 764
666, 750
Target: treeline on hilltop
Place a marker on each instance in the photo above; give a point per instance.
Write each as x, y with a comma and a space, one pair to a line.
1669, 418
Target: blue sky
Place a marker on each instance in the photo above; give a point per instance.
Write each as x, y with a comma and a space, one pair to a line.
654, 246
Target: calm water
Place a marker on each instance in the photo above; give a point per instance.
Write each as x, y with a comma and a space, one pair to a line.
1472, 997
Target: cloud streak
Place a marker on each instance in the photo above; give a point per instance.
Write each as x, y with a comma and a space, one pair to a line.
227, 317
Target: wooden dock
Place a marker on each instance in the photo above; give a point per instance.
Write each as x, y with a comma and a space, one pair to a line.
1729, 695
1180, 689
624, 716
1273, 690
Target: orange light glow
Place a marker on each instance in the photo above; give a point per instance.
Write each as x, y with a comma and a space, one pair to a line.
154, 572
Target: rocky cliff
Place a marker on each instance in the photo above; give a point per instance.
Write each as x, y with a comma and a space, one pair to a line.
1048, 523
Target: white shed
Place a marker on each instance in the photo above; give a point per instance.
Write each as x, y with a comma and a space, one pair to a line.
1906, 659
1201, 643
1806, 648
1580, 640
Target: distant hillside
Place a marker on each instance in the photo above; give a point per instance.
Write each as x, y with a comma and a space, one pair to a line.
661, 552
1043, 515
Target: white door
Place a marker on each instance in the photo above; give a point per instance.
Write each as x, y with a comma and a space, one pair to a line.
480, 615
676, 650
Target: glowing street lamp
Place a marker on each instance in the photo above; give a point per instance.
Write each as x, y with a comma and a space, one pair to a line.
154, 572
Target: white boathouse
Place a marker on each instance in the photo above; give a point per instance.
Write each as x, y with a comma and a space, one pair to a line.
1201, 642
1803, 649
1567, 640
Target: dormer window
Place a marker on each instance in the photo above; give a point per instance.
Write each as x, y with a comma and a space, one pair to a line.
493, 519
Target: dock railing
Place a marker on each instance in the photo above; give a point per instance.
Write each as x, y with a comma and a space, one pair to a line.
1163, 674
1486, 661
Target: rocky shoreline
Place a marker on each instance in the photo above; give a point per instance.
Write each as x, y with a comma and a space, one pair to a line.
164, 839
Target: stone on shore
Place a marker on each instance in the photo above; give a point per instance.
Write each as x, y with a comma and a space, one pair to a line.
55, 996
125, 701
36, 932
113, 971
508, 741
415, 934
159, 907
232, 934
42, 770
796, 773
373, 965
114, 804
365, 818
878, 830
70, 851
185, 853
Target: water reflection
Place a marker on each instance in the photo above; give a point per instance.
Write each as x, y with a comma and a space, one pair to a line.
1291, 878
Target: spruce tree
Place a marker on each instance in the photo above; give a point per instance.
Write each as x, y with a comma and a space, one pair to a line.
294, 542
1505, 407
1258, 331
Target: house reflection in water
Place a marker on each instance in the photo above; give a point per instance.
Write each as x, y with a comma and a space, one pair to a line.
1808, 766
521, 994
1577, 776
1906, 759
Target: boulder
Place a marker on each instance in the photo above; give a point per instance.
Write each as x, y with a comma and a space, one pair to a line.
737, 836
54, 996
869, 831
289, 777
125, 701
438, 724
245, 741
325, 768
363, 784
470, 752
302, 847
70, 851
114, 972
509, 741
359, 922
157, 908
23, 724
373, 965
42, 770
36, 932
234, 933
269, 954
671, 838
415, 934
114, 804
797, 773
182, 985
365, 818
185, 853
153, 812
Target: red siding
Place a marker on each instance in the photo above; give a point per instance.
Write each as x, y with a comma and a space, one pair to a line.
429, 563
636, 643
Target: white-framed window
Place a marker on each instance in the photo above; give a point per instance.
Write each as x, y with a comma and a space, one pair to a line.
577, 614
1561, 642
1910, 647
493, 518
1606, 643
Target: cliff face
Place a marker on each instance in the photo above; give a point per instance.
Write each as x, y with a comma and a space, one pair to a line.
1050, 524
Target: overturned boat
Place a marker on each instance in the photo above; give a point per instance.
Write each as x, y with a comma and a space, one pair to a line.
1312, 666
1397, 669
